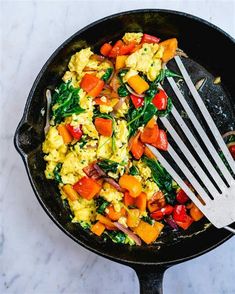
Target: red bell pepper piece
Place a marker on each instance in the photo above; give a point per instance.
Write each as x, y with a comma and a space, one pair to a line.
97, 89
105, 49
75, 132
157, 215
87, 188
162, 141
89, 82
137, 101
179, 213
167, 210
115, 51
136, 146
232, 151
182, 197
160, 100
126, 49
187, 223
149, 39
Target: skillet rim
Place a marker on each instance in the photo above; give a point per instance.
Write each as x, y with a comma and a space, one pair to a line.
24, 120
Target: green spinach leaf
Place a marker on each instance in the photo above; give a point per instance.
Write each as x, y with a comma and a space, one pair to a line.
101, 205
133, 170
107, 74
108, 165
65, 102
56, 172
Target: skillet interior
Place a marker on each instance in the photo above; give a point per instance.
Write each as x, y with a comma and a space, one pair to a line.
205, 45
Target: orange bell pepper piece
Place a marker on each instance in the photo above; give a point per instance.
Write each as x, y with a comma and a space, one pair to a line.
98, 228
120, 61
141, 201
133, 218
128, 200
136, 146
138, 84
150, 133
87, 188
147, 232
64, 133
106, 221
130, 183
195, 213
104, 126
115, 215
170, 47
70, 192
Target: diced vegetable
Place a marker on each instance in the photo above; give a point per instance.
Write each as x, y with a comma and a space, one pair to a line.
181, 196
115, 215
167, 210
141, 201
170, 47
136, 146
137, 101
128, 200
116, 49
107, 75
100, 101
138, 84
147, 232
106, 221
104, 126
162, 141
160, 100
126, 49
87, 188
76, 132
157, 215
150, 134
133, 218
120, 62
105, 49
98, 228
131, 184
196, 213
164, 211
70, 192
149, 39
97, 89
181, 218
89, 82
64, 133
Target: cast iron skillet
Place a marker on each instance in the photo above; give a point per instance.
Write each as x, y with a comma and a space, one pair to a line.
206, 45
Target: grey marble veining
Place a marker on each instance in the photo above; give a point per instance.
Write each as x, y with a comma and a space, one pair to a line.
35, 256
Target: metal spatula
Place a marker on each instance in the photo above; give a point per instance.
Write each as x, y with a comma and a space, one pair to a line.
217, 196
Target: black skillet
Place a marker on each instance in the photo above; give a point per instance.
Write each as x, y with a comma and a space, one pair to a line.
206, 45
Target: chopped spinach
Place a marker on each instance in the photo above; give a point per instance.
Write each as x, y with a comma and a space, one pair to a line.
83, 141
56, 172
133, 170
147, 219
122, 91
101, 205
117, 237
162, 178
166, 73
84, 225
231, 139
108, 165
107, 74
65, 102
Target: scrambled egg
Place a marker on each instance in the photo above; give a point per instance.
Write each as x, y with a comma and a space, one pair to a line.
110, 194
79, 60
150, 188
83, 210
147, 60
54, 149
132, 37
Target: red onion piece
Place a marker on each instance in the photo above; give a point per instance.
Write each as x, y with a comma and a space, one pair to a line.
128, 232
170, 221
114, 184
99, 171
228, 134
133, 92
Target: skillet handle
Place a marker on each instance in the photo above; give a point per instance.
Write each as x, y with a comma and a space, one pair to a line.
150, 279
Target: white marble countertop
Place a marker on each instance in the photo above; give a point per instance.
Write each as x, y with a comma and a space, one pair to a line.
35, 256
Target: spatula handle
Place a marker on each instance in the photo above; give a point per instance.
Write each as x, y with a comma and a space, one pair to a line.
230, 229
